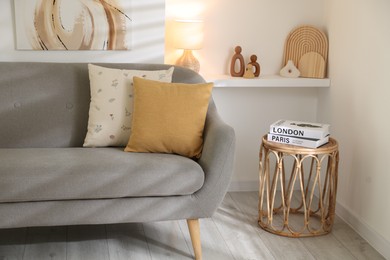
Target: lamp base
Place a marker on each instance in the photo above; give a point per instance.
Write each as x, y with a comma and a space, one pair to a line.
188, 60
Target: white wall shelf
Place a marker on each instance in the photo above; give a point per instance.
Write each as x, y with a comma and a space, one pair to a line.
273, 81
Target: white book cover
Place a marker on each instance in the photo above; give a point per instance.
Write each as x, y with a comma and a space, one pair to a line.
300, 129
304, 142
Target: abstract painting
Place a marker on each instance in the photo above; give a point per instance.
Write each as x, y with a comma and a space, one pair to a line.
73, 24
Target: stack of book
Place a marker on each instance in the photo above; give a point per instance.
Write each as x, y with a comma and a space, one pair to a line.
306, 134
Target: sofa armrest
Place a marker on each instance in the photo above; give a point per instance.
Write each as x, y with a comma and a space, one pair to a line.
217, 161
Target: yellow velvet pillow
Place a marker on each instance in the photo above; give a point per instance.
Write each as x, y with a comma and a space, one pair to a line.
168, 117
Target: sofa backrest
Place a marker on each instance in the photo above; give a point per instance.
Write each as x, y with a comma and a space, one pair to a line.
47, 104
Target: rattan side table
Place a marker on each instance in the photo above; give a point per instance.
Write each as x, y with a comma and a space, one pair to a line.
298, 186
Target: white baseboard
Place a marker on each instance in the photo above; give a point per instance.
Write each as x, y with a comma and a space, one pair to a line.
244, 186
375, 239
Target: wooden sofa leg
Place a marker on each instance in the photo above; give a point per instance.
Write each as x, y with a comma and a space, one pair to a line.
193, 227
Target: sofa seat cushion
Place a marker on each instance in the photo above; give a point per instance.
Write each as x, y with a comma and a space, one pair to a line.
44, 174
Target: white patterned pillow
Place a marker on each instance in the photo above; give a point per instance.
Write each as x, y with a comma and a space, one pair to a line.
111, 106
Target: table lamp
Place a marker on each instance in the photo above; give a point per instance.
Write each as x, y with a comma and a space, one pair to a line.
189, 37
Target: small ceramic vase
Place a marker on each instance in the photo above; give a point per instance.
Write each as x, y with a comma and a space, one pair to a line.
290, 71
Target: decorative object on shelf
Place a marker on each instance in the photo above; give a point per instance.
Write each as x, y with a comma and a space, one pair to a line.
290, 71
255, 65
249, 72
237, 56
312, 65
307, 47
189, 37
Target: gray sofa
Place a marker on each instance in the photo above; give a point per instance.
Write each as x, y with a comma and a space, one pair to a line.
47, 178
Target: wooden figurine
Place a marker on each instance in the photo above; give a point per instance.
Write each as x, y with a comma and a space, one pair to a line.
255, 65
237, 56
249, 72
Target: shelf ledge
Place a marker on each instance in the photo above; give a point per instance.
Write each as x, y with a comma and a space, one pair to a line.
274, 81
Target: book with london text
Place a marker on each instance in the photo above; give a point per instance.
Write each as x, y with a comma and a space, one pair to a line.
304, 142
299, 129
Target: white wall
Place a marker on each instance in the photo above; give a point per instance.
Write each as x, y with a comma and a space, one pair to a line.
260, 27
148, 30
357, 106
250, 111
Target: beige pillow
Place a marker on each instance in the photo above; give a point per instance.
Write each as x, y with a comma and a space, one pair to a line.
111, 106
169, 117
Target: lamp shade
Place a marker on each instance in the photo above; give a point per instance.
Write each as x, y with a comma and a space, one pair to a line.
188, 34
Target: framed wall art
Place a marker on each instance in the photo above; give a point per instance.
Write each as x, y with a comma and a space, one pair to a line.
73, 24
